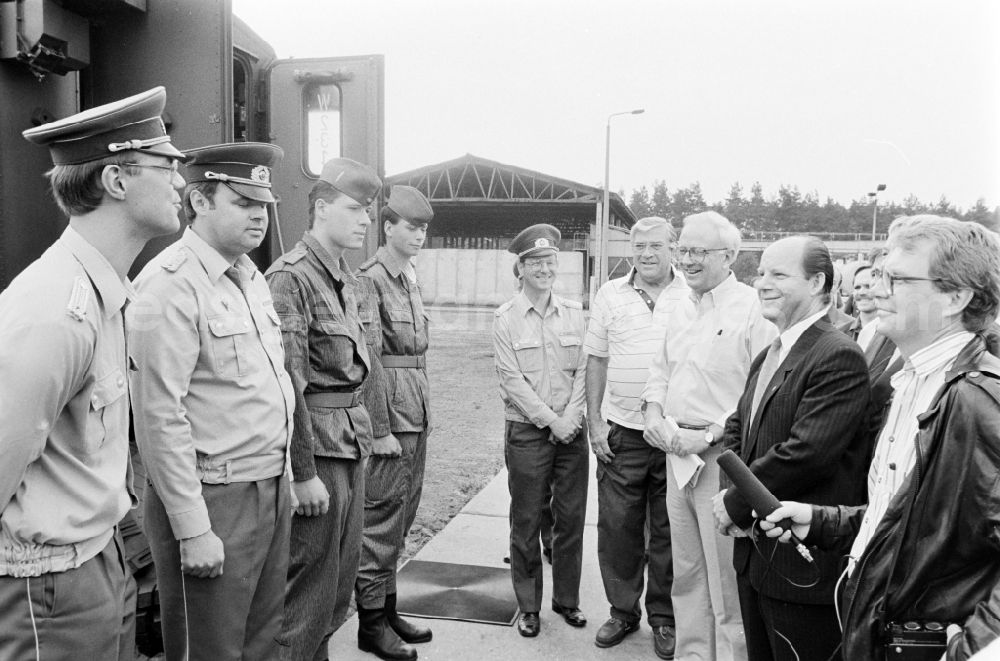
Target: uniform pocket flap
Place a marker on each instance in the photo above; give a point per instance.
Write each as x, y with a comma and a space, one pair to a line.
108, 389
527, 343
293, 323
330, 327
569, 340
228, 324
400, 314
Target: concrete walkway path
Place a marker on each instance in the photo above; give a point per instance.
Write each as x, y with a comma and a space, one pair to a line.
478, 535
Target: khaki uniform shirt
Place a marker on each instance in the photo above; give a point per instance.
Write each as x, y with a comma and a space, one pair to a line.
65, 479
539, 359
325, 352
404, 328
211, 398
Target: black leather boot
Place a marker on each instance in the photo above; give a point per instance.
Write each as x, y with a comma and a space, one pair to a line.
376, 636
409, 632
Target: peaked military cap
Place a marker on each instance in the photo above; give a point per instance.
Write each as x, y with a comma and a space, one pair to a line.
410, 204
132, 124
535, 240
243, 166
355, 180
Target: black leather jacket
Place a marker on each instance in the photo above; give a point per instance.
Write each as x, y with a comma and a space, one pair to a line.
936, 553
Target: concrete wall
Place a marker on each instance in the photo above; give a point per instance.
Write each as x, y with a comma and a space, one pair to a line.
485, 278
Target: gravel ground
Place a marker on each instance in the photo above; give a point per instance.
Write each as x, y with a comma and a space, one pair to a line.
465, 448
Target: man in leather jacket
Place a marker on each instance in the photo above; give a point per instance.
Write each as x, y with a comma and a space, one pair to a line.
927, 545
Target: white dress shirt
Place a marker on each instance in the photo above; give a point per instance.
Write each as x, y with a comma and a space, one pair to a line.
914, 388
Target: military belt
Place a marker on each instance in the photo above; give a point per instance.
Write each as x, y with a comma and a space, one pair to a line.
333, 400
404, 361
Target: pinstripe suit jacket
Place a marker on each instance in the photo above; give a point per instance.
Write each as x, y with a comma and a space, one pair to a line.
809, 443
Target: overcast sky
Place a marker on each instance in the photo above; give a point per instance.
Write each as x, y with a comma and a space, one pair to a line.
831, 96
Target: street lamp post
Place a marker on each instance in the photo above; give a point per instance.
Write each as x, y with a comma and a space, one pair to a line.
874, 196
602, 231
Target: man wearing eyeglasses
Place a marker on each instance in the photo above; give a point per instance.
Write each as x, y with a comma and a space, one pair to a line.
696, 381
213, 411
926, 545
537, 340
628, 320
65, 478
800, 425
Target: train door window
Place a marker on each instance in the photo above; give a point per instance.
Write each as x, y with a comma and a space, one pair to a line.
241, 92
321, 104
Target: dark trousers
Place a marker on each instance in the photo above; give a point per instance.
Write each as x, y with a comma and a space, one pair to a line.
392, 493
533, 464
83, 613
324, 561
784, 631
236, 615
417, 465
631, 486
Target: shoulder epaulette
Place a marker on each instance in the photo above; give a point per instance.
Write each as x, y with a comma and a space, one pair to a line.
503, 308
79, 297
174, 261
293, 255
368, 264
576, 305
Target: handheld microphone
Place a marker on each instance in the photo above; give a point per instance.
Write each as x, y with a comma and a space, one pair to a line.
762, 500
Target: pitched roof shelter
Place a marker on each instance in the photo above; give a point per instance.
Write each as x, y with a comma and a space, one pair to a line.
479, 203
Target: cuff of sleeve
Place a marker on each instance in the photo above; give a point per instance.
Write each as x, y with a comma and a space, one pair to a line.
824, 526
380, 428
303, 466
191, 523
545, 419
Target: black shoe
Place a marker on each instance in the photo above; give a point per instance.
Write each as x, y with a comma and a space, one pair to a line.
547, 552
573, 616
664, 641
376, 636
614, 631
528, 625
407, 631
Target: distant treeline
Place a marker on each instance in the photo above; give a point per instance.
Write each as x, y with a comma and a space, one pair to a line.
792, 211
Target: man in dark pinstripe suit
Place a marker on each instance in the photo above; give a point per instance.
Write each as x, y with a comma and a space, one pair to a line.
801, 427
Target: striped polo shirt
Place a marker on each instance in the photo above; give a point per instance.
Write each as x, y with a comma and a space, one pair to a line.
624, 330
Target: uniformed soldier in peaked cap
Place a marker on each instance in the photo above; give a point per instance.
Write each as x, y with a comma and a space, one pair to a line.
535, 240
213, 411
65, 481
537, 338
326, 354
395, 475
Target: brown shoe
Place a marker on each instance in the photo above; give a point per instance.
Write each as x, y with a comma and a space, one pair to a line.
573, 616
664, 640
614, 631
528, 625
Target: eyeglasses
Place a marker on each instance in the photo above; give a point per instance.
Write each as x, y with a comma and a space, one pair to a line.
172, 169
536, 265
696, 255
889, 281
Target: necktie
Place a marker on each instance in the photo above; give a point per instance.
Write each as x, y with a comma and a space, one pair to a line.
236, 276
767, 370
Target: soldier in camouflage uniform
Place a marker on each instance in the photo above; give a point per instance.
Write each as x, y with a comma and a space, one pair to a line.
395, 475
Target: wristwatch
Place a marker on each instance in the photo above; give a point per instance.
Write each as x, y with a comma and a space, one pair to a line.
710, 438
